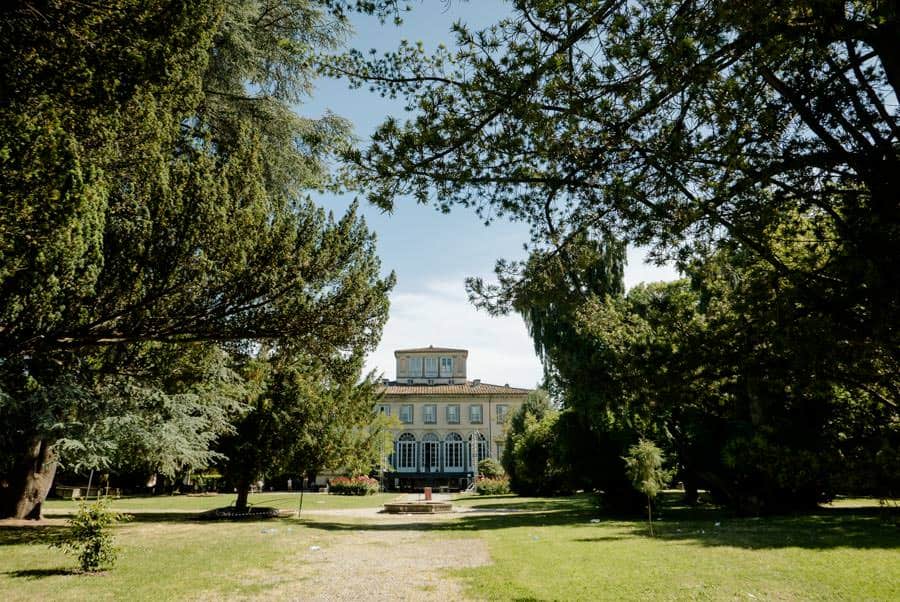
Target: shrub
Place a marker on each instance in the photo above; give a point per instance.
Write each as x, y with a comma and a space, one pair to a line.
532, 458
644, 464
495, 486
361, 485
490, 468
90, 537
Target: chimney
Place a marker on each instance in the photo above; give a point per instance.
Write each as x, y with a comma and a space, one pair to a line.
476, 382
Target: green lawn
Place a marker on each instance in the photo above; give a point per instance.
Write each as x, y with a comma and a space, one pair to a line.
844, 553
540, 549
164, 554
189, 504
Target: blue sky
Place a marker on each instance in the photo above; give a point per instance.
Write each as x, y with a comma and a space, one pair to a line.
432, 253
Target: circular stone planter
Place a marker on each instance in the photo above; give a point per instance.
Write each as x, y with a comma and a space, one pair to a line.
256, 513
423, 507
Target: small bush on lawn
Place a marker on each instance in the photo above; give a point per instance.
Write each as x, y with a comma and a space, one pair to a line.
362, 485
90, 537
486, 486
490, 468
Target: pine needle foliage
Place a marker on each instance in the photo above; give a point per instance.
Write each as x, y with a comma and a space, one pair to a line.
644, 465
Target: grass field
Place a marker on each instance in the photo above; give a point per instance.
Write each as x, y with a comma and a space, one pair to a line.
836, 554
191, 504
538, 548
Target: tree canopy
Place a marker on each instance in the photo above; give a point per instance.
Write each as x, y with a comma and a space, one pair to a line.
673, 124
755, 145
154, 179
305, 416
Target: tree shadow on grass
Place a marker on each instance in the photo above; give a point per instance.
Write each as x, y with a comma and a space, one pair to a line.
147, 517
822, 529
460, 523
11, 536
546, 505
826, 528
40, 573
601, 538
187, 517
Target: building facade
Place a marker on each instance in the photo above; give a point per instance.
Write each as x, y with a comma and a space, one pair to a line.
447, 423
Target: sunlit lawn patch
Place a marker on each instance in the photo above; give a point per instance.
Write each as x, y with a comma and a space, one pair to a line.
838, 553
166, 554
540, 548
196, 504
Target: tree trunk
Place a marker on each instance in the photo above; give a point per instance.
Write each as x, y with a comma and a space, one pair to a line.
691, 490
23, 493
243, 492
650, 514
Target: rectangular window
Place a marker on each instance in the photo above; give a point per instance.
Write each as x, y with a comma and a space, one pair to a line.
501, 414
406, 452
384, 409
453, 414
475, 413
431, 367
499, 451
406, 414
429, 413
454, 453
446, 366
415, 367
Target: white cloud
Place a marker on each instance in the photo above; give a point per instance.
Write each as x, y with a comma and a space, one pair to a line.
500, 350
637, 270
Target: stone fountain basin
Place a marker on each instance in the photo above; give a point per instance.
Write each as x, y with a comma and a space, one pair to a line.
418, 507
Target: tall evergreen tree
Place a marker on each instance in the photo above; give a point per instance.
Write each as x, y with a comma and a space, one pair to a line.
304, 416
153, 178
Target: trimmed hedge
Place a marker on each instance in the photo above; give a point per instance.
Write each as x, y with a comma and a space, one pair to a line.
361, 485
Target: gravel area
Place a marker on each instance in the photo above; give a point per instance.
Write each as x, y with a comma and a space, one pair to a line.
389, 557
395, 564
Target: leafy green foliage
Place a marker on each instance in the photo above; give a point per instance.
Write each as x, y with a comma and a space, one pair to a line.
90, 537
497, 485
164, 425
154, 177
677, 125
549, 290
304, 417
490, 468
756, 146
531, 455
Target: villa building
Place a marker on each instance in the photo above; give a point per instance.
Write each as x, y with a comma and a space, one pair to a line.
447, 423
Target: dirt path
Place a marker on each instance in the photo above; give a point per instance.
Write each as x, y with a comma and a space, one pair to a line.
388, 557
396, 564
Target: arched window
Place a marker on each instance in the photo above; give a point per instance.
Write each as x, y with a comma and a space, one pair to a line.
406, 453
478, 448
454, 454
431, 449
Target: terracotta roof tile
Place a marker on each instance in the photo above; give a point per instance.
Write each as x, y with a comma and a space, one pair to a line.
434, 349
460, 389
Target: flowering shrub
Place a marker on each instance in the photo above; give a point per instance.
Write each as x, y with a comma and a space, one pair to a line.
496, 486
361, 485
